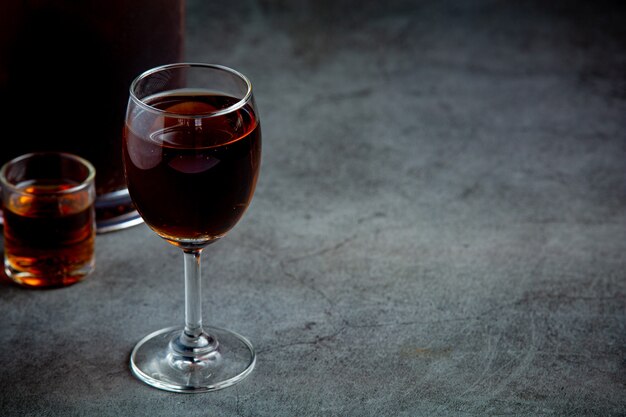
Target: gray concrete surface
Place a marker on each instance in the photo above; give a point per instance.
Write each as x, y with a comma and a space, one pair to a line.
439, 229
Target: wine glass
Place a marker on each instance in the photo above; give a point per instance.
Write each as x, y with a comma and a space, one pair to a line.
192, 150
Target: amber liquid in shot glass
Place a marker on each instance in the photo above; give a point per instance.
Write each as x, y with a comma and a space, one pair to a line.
49, 231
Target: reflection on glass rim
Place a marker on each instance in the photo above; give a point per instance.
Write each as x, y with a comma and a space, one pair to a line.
141, 101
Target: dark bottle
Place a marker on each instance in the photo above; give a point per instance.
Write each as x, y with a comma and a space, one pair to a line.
65, 70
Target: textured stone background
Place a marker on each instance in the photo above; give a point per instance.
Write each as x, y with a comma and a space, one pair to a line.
439, 229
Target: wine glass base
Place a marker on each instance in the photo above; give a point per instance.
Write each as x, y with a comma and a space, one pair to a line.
155, 362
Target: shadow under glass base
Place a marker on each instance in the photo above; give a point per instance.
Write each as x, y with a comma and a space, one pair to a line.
158, 360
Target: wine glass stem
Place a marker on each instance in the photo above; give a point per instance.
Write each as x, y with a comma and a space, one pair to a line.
193, 304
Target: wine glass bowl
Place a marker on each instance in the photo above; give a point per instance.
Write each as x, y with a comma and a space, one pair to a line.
191, 157
192, 150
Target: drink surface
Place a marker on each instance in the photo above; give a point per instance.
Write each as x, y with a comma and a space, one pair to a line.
49, 239
192, 178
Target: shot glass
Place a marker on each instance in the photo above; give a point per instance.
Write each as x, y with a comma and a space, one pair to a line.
49, 219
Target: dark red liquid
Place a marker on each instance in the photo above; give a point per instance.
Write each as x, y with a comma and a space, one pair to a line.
191, 179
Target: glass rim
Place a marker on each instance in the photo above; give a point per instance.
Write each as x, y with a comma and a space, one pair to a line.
239, 104
87, 182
